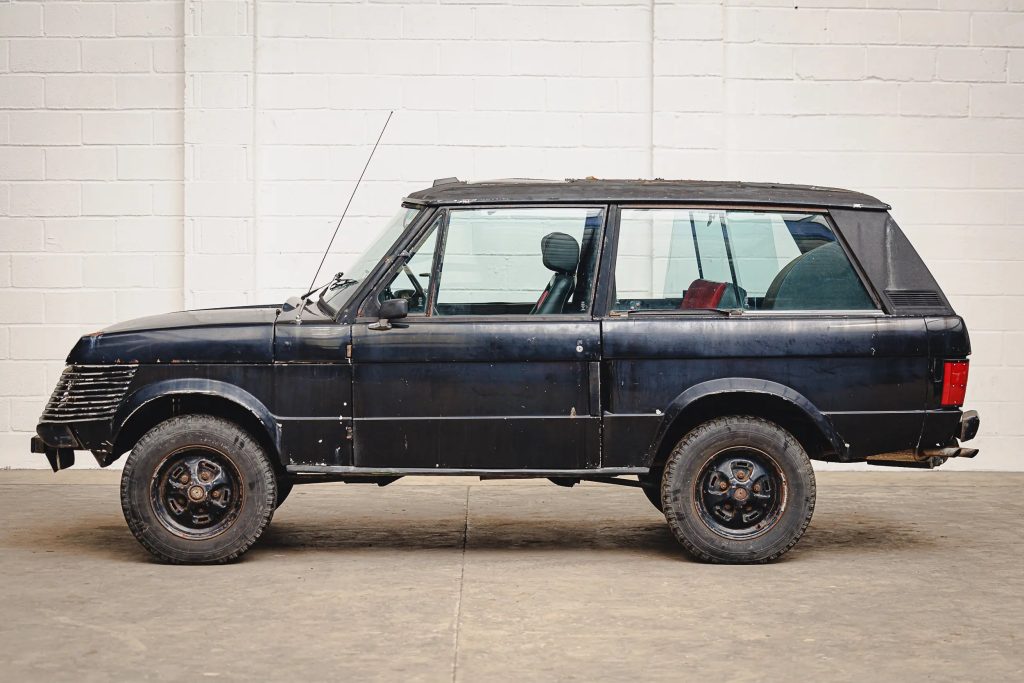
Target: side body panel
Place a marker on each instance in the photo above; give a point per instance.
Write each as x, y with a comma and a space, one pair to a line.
306, 407
867, 374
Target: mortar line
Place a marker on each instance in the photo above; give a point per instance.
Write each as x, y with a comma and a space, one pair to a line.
462, 583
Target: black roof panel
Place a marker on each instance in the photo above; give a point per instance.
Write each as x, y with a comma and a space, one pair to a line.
600, 190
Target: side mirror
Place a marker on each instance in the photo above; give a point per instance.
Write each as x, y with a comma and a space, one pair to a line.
392, 309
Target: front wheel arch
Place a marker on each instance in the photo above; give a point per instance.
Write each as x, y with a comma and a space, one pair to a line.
165, 406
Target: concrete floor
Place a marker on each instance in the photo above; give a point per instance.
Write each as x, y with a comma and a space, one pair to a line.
901, 576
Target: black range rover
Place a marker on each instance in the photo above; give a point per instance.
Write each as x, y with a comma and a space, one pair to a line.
709, 339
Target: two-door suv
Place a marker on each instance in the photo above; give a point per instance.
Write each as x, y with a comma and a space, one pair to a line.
710, 339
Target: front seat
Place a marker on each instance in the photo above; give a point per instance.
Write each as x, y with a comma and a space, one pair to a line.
561, 254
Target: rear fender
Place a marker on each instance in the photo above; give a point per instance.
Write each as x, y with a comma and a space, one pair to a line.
743, 388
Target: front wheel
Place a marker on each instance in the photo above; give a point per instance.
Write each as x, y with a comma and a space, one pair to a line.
197, 489
738, 490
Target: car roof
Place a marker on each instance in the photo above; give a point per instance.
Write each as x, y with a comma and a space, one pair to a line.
523, 191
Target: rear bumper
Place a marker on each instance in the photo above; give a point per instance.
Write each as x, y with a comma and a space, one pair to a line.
969, 425
929, 458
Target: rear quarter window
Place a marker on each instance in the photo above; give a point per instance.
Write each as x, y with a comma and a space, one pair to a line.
693, 259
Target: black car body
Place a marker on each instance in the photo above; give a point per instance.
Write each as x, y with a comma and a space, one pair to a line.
447, 354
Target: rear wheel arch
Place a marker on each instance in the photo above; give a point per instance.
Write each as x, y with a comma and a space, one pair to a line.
767, 400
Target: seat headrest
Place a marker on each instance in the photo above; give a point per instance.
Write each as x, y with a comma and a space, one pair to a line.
561, 252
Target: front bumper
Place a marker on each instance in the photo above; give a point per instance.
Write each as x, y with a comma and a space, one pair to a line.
58, 441
59, 457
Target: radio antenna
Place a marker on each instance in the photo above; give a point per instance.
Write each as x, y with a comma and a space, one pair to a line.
312, 284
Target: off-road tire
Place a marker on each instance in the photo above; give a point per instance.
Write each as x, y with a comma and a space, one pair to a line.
257, 488
685, 467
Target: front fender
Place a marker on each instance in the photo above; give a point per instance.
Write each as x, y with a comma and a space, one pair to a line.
747, 386
145, 395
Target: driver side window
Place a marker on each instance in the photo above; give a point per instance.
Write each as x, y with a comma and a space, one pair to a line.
412, 281
519, 261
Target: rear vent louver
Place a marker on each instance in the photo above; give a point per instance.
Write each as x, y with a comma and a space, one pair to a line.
914, 298
88, 392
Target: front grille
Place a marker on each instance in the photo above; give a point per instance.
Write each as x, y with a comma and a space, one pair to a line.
913, 298
88, 392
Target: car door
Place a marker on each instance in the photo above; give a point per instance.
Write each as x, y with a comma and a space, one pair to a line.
498, 368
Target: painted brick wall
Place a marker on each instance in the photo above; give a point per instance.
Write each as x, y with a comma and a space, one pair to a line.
160, 154
90, 185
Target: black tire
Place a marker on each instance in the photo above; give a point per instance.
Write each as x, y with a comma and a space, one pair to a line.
701, 494
197, 489
651, 486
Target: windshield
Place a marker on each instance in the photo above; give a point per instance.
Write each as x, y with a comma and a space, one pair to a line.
341, 290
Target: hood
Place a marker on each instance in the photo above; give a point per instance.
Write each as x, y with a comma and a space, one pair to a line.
215, 335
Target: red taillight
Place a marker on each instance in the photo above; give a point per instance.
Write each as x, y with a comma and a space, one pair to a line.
954, 382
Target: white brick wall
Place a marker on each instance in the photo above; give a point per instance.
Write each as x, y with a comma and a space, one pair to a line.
161, 154
90, 181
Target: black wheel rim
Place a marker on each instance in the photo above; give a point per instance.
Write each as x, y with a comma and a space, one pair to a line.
196, 493
740, 493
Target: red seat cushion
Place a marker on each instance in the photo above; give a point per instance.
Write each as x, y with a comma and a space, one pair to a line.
703, 294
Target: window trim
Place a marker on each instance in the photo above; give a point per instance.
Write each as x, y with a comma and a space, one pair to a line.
438, 266
613, 231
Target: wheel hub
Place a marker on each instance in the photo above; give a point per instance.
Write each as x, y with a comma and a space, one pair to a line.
740, 493
196, 492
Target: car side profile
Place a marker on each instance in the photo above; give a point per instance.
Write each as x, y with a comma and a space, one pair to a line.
703, 341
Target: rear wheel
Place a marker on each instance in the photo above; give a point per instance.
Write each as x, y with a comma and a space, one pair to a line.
197, 489
738, 490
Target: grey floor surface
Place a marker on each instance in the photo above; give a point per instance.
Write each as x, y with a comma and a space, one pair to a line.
900, 577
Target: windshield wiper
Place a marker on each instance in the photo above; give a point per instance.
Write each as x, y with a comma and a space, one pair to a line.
336, 282
337, 276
